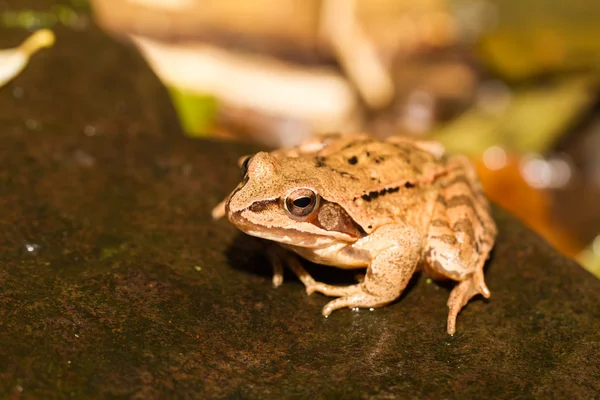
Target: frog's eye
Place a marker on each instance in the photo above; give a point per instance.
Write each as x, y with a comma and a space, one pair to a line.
244, 166
301, 202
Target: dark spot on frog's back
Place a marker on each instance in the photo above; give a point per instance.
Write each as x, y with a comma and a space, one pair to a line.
352, 160
320, 161
375, 194
347, 175
357, 143
370, 196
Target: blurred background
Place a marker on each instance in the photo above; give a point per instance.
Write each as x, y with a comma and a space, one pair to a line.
512, 84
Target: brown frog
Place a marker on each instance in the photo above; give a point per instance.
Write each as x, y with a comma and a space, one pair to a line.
351, 201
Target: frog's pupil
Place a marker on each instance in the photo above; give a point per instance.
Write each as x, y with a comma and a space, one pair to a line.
302, 202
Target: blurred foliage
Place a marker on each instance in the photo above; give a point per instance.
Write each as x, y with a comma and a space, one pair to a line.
590, 257
538, 37
65, 14
531, 120
196, 112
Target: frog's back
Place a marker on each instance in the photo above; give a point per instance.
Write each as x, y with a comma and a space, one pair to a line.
377, 182
386, 161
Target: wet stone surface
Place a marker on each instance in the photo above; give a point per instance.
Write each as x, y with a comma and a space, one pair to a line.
114, 282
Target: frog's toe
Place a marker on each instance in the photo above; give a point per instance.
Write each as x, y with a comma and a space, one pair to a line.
460, 296
361, 300
310, 289
277, 264
456, 301
479, 283
277, 277
319, 287
331, 290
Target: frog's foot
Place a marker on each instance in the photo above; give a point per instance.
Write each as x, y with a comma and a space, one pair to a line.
277, 273
462, 293
279, 258
331, 290
361, 299
219, 211
276, 260
336, 291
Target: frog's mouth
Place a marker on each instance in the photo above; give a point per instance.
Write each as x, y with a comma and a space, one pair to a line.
266, 220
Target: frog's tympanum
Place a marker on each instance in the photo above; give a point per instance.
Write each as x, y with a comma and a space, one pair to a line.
351, 201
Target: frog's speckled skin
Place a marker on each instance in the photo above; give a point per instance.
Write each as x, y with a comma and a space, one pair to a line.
352, 201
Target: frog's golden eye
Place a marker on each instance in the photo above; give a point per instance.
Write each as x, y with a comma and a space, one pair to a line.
301, 202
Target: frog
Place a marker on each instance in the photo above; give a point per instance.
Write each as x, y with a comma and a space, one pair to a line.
392, 207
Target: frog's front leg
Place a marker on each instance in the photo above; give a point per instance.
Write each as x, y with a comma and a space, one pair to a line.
395, 251
279, 257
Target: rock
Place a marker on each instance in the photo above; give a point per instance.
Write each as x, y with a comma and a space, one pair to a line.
115, 282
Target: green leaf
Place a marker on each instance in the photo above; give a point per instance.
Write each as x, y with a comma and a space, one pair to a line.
196, 112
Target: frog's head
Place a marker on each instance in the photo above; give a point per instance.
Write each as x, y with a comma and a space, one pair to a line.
281, 200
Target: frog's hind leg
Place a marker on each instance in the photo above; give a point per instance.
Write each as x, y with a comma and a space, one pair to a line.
394, 262
464, 291
460, 237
